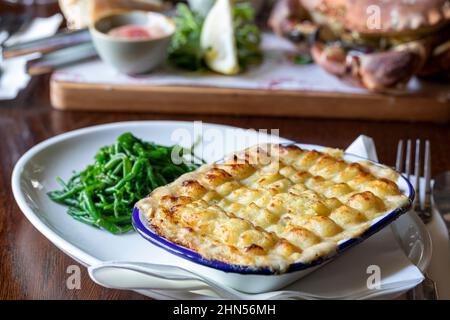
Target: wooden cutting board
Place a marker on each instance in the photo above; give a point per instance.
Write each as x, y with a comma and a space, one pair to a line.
277, 87
204, 100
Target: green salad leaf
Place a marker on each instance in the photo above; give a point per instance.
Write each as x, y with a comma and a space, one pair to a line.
248, 35
185, 50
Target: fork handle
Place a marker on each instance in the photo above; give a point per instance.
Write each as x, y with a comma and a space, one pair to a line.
427, 290
425, 216
430, 291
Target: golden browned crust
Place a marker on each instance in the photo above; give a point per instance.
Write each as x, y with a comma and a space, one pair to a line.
272, 205
81, 13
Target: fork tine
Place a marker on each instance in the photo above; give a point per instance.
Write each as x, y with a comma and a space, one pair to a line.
427, 174
427, 166
408, 159
399, 160
417, 176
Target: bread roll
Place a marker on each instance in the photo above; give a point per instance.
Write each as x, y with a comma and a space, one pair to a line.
80, 13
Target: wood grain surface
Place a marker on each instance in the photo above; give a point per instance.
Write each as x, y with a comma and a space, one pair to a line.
33, 268
227, 101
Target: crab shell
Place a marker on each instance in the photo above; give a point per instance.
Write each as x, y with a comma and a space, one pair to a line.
409, 37
381, 17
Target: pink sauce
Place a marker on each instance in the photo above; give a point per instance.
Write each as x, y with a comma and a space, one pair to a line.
136, 32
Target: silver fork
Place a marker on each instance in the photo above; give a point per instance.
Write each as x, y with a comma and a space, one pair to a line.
427, 290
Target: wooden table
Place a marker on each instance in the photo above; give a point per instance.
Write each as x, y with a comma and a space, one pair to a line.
33, 268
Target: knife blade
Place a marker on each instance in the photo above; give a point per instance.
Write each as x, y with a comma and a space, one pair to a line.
441, 196
48, 44
60, 58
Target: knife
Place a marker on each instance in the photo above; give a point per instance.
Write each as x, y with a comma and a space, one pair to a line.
55, 42
441, 196
51, 61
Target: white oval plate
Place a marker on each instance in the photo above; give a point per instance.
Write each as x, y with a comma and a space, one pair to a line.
34, 175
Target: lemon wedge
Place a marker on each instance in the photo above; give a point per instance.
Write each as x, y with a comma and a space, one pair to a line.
218, 41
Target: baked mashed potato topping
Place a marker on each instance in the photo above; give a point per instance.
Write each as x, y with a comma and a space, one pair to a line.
272, 205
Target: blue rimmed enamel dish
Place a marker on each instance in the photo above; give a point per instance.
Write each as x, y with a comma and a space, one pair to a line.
141, 224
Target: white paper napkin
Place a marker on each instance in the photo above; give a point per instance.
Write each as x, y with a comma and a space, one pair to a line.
439, 269
14, 77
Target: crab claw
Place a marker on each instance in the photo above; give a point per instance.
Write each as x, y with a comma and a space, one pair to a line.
377, 71
332, 58
285, 15
438, 63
